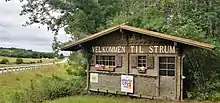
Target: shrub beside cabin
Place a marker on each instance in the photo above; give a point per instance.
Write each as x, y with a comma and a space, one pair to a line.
136, 62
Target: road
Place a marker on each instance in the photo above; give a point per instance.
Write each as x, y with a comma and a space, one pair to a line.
27, 67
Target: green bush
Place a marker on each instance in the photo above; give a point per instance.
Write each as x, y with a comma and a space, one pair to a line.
4, 61
40, 61
32, 62
75, 69
19, 61
201, 68
19, 96
77, 65
49, 88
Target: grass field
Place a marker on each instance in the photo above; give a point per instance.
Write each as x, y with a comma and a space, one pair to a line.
105, 99
26, 60
13, 60
11, 82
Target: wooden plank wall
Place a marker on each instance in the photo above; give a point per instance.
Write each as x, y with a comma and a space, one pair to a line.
148, 84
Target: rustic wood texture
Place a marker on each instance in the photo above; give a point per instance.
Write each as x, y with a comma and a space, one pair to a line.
168, 37
93, 60
114, 38
136, 42
148, 83
156, 59
137, 30
150, 64
133, 65
107, 82
133, 61
119, 60
178, 76
120, 66
168, 87
145, 86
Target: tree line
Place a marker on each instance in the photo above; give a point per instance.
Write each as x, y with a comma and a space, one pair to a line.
23, 53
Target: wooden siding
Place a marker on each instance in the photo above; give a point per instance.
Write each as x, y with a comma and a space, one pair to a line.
75, 45
146, 84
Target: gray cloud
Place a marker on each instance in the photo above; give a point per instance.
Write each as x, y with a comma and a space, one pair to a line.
12, 34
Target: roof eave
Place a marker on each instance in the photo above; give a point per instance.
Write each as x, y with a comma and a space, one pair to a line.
142, 31
96, 35
169, 37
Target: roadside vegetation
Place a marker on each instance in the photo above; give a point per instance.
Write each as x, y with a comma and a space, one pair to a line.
23, 53
114, 99
9, 61
10, 56
47, 83
35, 86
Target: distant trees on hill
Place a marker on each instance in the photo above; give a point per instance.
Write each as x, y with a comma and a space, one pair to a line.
23, 53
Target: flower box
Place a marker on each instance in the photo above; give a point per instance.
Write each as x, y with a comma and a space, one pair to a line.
105, 68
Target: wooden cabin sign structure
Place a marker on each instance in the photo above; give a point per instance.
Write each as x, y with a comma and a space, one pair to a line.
136, 62
133, 49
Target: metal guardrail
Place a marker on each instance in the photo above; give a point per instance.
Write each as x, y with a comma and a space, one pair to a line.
27, 67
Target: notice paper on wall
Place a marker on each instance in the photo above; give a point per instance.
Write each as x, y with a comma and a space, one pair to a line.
94, 77
127, 83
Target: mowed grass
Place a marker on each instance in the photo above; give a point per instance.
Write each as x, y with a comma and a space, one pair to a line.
26, 60
11, 82
13, 60
106, 99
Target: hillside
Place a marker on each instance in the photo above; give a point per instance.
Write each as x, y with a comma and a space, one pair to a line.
23, 53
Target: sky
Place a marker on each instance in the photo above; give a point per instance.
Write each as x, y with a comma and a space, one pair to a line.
13, 34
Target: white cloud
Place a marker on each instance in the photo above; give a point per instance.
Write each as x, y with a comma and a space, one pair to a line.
12, 34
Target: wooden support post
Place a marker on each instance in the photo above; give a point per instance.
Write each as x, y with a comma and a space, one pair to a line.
88, 75
181, 73
156, 59
127, 63
178, 76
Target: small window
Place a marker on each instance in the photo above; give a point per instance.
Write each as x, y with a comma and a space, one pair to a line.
105, 60
142, 61
167, 66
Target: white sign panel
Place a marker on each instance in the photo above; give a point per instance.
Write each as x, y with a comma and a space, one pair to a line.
94, 77
127, 83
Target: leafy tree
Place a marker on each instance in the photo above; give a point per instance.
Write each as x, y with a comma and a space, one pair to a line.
61, 56
22, 53
19, 61
4, 61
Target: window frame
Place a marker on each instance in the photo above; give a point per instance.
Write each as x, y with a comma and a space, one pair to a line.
142, 63
106, 60
167, 63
